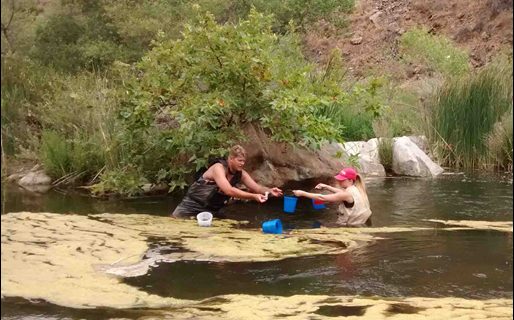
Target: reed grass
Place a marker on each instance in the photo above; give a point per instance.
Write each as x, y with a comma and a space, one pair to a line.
385, 153
499, 143
464, 112
355, 125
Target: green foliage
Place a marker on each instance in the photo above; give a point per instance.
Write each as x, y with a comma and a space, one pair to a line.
24, 85
354, 115
55, 154
464, 113
437, 52
353, 161
92, 34
74, 40
215, 81
499, 142
401, 117
62, 157
57, 43
18, 24
353, 124
300, 12
81, 110
76, 111
124, 181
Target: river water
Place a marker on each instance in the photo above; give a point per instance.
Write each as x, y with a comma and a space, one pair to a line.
474, 264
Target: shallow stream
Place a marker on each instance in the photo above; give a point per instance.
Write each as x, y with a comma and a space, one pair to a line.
471, 264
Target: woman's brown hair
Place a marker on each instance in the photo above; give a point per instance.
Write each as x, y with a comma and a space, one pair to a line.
361, 186
237, 151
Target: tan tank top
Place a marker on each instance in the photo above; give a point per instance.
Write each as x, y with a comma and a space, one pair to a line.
356, 215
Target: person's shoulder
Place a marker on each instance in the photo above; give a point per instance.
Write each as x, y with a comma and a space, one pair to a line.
353, 188
218, 166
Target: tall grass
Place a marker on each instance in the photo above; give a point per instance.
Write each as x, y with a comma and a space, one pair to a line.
70, 121
355, 124
499, 143
385, 153
81, 114
464, 112
364, 104
24, 85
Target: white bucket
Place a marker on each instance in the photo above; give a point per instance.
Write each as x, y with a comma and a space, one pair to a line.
204, 219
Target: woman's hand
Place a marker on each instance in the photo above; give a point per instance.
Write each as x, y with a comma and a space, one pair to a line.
260, 197
299, 193
321, 186
276, 192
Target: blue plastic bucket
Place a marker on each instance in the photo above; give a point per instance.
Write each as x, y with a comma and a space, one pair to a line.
318, 204
272, 226
290, 204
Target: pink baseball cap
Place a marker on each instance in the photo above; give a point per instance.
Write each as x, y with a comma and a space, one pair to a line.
346, 173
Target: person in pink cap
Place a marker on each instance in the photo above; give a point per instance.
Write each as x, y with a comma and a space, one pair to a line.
354, 209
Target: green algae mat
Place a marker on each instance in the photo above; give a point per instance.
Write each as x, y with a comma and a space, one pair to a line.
78, 261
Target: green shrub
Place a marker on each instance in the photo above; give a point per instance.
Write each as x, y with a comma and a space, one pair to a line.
354, 125
56, 43
437, 52
354, 116
63, 157
24, 85
123, 181
300, 12
56, 154
80, 39
215, 81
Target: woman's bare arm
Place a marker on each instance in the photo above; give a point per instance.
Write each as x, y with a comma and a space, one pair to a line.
339, 196
218, 175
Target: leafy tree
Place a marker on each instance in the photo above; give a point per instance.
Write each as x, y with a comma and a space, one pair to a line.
301, 12
80, 37
212, 83
57, 43
17, 27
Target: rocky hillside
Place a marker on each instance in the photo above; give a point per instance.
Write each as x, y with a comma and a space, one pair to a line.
481, 27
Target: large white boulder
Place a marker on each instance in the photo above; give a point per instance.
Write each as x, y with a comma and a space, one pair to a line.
369, 160
410, 160
35, 178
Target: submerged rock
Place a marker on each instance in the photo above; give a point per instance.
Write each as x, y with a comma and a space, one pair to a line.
35, 178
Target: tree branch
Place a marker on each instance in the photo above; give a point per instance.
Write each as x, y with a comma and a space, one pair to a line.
5, 28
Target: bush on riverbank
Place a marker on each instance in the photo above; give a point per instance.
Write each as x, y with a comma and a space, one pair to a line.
189, 99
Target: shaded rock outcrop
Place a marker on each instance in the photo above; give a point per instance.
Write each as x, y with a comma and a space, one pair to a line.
272, 163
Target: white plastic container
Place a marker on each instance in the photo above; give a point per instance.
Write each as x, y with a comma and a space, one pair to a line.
204, 219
